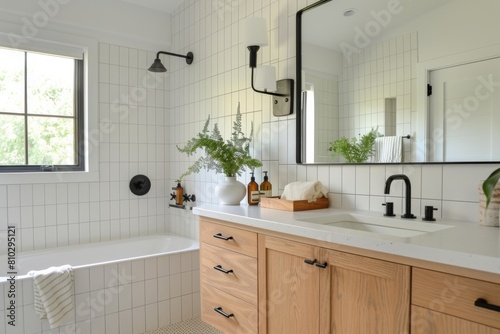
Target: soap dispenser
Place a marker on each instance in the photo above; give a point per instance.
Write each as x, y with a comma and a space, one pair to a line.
178, 193
253, 195
266, 188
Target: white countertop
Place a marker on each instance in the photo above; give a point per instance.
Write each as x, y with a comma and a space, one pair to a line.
465, 244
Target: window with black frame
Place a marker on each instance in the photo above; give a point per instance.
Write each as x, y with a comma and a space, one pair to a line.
41, 112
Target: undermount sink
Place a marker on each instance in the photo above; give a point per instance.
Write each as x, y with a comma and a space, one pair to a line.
405, 228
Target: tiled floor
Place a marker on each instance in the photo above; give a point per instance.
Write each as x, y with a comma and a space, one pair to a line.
192, 326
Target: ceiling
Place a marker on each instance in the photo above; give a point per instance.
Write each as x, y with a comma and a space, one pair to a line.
167, 6
328, 27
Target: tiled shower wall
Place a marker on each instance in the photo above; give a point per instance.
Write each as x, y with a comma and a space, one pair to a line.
219, 78
384, 70
133, 136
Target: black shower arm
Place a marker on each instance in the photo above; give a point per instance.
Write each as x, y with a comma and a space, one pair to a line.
189, 56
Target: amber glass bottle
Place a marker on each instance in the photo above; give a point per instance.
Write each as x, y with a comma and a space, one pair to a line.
178, 193
253, 192
266, 188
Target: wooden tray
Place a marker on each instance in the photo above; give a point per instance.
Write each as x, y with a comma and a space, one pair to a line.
283, 204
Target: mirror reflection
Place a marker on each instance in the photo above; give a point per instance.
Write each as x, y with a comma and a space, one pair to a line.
393, 81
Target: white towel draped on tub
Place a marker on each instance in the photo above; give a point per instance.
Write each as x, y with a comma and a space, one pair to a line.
389, 149
302, 190
53, 291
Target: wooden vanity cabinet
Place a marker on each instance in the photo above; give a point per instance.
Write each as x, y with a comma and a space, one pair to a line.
364, 295
446, 303
289, 287
253, 281
309, 289
228, 270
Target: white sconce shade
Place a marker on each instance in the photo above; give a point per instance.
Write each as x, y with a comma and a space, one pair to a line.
265, 78
256, 32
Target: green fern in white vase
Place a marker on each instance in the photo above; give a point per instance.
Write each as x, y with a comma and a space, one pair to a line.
223, 156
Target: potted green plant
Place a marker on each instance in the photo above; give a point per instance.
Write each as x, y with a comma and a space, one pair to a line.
223, 156
489, 217
354, 150
489, 185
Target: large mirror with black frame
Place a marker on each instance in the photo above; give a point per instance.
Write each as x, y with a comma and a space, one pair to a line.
398, 81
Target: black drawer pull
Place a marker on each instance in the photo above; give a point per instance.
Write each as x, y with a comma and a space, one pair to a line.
220, 236
322, 265
220, 311
481, 302
310, 262
219, 268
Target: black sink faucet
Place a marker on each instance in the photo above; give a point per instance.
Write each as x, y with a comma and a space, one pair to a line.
405, 178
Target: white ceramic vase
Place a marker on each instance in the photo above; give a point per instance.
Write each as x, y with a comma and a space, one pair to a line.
490, 216
230, 191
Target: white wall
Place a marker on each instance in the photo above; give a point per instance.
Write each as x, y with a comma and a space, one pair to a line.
456, 27
144, 142
131, 141
132, 138
219, 79
321, 59
131, 111
382, 70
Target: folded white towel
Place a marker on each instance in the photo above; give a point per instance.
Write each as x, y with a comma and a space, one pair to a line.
53, 292
302, 190
389, 149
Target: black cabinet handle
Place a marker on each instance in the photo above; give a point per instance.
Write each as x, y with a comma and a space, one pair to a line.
481, 302
322, 265
220, 311
220, 236
310, 262
219, 268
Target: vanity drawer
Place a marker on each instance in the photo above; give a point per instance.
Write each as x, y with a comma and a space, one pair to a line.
427, 321
231, 272
233, 239
457, 296
240, 316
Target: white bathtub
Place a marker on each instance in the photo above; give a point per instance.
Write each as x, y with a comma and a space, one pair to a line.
80, 256
139, 283
85, 255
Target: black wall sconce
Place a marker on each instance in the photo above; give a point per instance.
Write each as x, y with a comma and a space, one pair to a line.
265, 76
158, 66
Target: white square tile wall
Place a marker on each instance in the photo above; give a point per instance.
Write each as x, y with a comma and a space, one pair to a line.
132, 141
219, 78
372, 76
